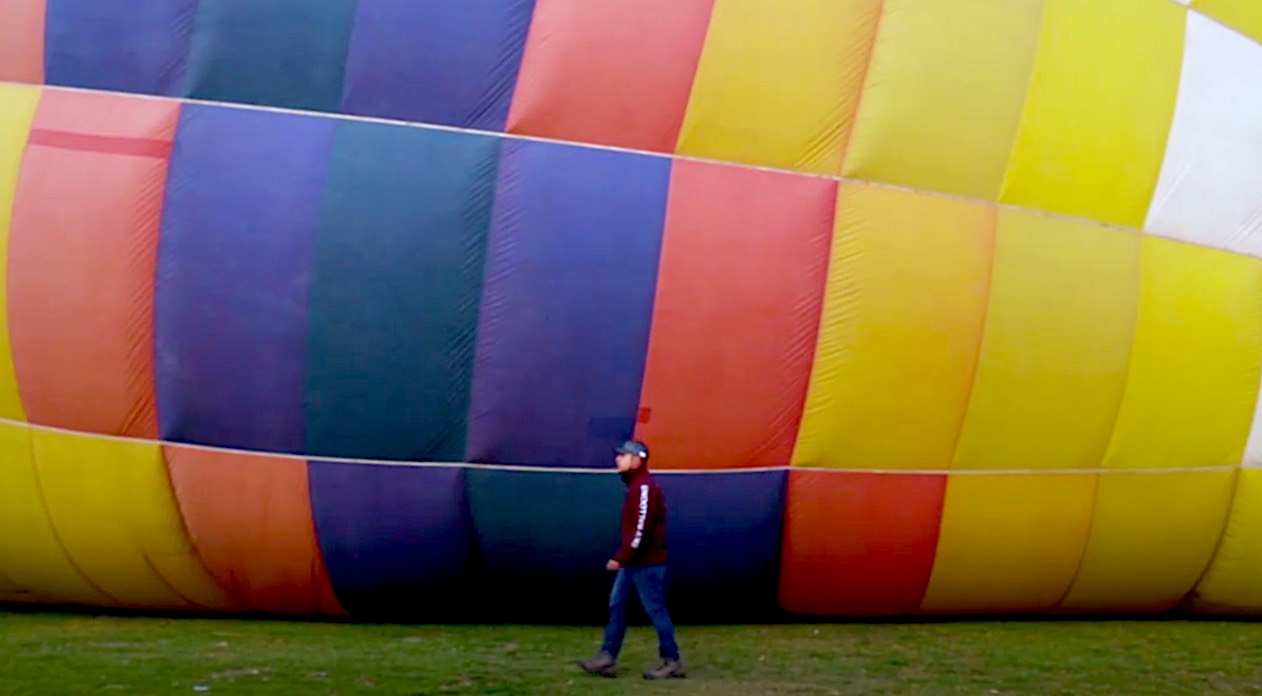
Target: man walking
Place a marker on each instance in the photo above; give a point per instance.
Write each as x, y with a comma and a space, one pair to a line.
639, 561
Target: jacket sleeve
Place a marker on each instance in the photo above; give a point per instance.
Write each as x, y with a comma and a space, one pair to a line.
637, 511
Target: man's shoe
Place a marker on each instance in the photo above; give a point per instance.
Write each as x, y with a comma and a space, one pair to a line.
669, 669
602, 664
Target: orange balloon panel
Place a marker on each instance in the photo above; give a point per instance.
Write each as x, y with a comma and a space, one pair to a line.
857, 543
250, 518
609, 72
81, 276
726, 376
22, 40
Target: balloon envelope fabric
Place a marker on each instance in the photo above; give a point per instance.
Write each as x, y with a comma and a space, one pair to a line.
347, 318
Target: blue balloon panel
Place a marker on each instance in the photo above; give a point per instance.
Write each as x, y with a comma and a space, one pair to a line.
571, 265
287, 53
544, 538
396, 539
461, 74
395, 290
723, 534
234, 265
133, 46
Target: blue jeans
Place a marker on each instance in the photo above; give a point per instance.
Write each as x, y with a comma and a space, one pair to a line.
650, 581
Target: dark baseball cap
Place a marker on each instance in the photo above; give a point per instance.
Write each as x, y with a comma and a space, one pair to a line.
633, 447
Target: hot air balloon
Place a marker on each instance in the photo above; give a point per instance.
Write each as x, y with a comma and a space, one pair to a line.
339, 307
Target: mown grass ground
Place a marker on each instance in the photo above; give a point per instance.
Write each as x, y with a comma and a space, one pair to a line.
68, 653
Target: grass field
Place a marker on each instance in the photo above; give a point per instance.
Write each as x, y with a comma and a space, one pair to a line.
68, 653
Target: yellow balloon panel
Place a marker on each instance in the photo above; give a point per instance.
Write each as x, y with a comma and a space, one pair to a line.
902, 319
7, 588
944, 94
1053, 362
1009, 542
31, 556
1151, 538
17, 111
113, 509
1242, 15
1093, 133
778, 83
1194, 367
1233, 582
11, 592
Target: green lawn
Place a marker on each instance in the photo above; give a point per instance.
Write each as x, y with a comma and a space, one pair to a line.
85, 654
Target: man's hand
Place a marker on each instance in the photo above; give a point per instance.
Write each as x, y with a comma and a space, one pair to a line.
612, 565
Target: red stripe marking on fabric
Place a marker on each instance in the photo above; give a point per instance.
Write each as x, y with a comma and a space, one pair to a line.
107, 144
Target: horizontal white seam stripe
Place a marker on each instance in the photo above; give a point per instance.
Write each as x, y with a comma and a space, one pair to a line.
586, 470
648, 153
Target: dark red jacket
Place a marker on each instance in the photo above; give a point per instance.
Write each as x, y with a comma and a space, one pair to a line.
643, 521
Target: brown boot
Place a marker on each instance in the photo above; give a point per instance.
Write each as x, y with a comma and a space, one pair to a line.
669, 669
602, 664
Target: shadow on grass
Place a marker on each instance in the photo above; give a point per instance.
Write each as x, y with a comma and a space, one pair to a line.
586, 609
